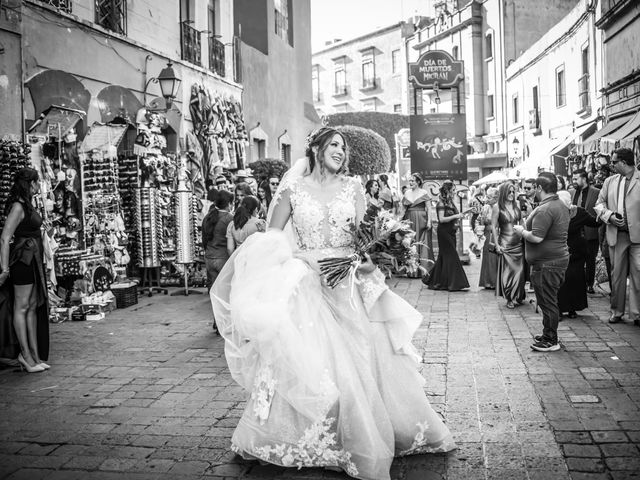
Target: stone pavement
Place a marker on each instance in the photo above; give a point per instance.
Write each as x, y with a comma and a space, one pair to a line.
145, 394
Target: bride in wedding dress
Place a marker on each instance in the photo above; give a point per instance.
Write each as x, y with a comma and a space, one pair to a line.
332, 373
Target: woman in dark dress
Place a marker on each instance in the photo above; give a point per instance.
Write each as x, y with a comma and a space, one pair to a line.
506, 214
572, 295
489, 266
23, 267
447, 274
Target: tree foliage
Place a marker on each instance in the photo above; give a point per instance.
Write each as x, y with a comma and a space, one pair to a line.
267, 168
385, 124
368, 152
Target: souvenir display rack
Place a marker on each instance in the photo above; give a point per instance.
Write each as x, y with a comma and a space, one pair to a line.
14, 155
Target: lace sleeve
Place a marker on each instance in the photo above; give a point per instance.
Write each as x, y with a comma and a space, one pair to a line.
280, 209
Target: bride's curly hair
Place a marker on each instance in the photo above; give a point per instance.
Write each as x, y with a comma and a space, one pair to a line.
321, 138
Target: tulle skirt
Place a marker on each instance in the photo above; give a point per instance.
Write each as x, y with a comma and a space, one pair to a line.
331, 374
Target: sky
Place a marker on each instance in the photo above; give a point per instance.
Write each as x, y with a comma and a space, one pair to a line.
348, 19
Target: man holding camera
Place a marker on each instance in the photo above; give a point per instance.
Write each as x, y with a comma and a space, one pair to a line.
618, 206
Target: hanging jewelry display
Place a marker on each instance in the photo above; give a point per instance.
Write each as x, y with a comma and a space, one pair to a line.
14, 155
149, 252
184, 222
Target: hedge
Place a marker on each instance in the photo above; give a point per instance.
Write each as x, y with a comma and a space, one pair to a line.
267, 168
368, 152
385, 124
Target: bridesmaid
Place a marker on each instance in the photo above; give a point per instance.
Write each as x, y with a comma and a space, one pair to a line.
489, 266
506, 214
416, 200
447, 274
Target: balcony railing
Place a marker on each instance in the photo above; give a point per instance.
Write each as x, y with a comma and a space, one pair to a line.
62, 5
369, 83
191, 47
340, 90
216, 56
583, 92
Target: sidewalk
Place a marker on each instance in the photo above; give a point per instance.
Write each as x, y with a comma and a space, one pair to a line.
145, 394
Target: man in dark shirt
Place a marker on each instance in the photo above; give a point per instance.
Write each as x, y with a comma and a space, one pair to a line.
585, 196
547, 252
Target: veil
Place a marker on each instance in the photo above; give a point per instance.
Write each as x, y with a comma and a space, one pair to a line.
299, 169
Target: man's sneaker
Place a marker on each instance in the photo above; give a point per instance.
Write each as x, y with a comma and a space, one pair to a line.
545, 346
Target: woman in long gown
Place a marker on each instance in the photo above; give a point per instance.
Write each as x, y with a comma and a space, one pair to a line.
572, 296
510, 277
447, 274
331, 372
416, 202
489, 265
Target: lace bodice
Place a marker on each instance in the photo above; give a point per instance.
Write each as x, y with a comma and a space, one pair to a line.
320, 224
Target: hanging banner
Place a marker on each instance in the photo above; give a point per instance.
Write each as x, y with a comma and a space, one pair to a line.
439, 146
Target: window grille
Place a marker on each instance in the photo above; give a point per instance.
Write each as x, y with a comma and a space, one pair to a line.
112, 15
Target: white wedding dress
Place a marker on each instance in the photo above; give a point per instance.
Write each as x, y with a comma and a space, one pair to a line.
332, 373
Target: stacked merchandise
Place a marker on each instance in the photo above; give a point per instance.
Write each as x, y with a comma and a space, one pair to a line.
149, 228
183, 214
14, 155
128, 183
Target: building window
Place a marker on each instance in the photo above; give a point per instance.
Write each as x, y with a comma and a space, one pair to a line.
397, 108
368, 70
488, 46
285, 153
341, 107
583, 82
340, 77
259, 149
395, 62
61, 5
490, 107
112, 15
369, 105
190, 38
282, 18
454, 52
561, 93
515, 109
315, 82
534, 113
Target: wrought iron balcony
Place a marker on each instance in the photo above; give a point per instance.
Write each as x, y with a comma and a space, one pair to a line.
583, 93
191, 46
340, 90
216, 56
62, 5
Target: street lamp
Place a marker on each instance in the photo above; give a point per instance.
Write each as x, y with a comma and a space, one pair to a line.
168, 82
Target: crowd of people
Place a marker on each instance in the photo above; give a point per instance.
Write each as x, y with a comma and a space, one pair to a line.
549, 232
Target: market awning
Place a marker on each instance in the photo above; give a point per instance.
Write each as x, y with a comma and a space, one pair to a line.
592, 143
626, 133
102, 136
493, 177
562, 148
56, 121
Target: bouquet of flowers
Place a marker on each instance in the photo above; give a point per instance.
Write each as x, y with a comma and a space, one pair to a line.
389, 242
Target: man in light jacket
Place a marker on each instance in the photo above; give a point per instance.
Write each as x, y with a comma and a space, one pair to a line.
618, 206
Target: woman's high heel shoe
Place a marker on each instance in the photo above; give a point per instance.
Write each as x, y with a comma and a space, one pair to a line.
44, 365
25, 366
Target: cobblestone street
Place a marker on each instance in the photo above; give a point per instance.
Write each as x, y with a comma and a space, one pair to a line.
145, 394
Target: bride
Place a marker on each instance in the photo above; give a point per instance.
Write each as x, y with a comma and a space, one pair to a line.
332, 374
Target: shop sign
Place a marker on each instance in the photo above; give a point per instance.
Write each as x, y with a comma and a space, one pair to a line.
439, 146
436, 68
